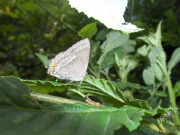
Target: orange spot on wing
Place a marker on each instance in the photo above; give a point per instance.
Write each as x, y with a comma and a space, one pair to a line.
53, 66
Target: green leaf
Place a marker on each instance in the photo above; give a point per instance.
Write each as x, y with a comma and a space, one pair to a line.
45, 86
138, 103
148, 76
29, 6
21, 115
43, 58
11, 92
109, 58
101, 34
125, 65
158, 72
153, 39
128, 85
110, 93
158, 35
156, 53
177, 88
104, 88
131, 62
88, 31
114, 40
143, 50
175, 58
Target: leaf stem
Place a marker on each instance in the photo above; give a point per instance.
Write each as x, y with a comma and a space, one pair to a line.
51, 99
77, 92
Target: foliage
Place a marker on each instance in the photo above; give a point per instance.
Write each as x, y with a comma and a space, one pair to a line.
133, 85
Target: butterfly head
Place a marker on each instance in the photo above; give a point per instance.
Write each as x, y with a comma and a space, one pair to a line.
52, 68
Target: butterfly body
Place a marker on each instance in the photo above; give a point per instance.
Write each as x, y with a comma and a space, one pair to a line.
72, 63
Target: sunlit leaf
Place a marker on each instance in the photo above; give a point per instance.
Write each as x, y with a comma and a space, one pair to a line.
108, 12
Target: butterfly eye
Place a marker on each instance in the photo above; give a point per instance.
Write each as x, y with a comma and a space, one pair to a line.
53, 66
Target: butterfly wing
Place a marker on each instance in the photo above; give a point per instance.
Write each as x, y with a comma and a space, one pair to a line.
71, 64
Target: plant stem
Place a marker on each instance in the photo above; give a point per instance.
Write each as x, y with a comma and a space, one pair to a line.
170, 90
172, 99
51, 99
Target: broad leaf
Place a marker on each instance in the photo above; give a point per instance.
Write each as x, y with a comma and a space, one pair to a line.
43, 58
155, 54
153, 39
114, 41
88, 31
131, 62
110, 13
109, 58
110, 93
148, 76
45, 86
104, 88
143, 50
21, 115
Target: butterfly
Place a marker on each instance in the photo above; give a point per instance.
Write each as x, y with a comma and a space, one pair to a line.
72, 63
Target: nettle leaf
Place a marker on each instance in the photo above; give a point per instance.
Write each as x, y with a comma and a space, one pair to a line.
114, 39
155, 54
175, 59
131, 62
101, 34
148, 76
115, 43
45, 86
104, 88
158, 35
153, 39
144, 50
110, 93
88, 31
109, 58
138, 103
110, 13
43, 58
29, 117
150, 39
158, 72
